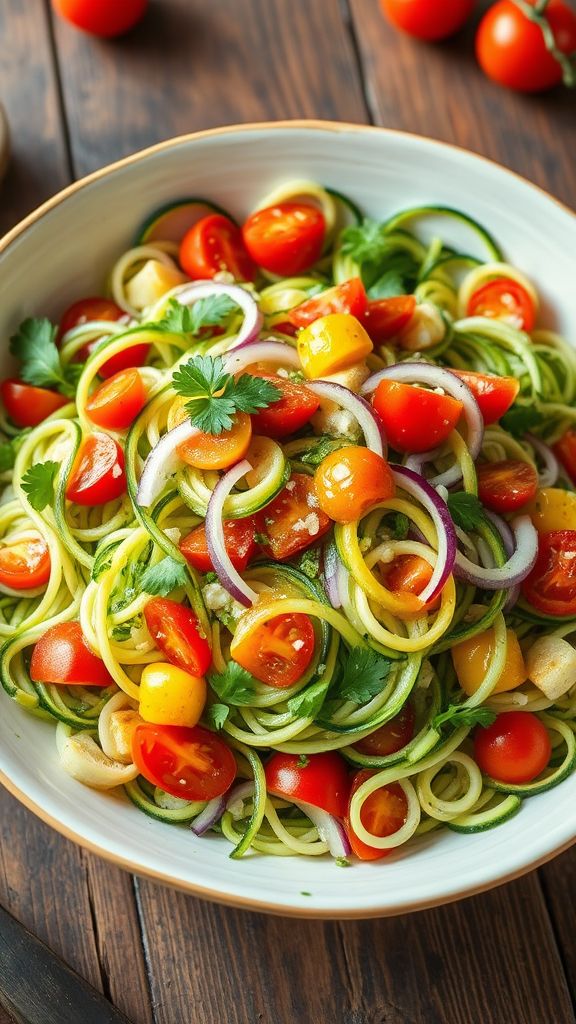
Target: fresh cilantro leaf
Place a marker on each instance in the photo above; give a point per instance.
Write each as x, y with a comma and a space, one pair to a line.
216, 715
461, 715
218, 395
38, 484
208, 312
234, 685
520, 419
318, 452
365, 242
35, 346
308, 702
163, 578
466, 510
302, 761
363, 675
398, 277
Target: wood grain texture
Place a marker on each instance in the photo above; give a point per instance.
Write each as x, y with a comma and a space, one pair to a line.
559, 885
193, 65
38, 165
439, 90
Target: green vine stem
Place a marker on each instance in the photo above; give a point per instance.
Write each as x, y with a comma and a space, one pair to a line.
537, 14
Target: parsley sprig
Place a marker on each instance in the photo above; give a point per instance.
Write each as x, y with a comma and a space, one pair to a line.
38, 484
363, 674
212, 311
164, 577
216, 395
235, 685
521, 419
458, 714
466, 510
34, 344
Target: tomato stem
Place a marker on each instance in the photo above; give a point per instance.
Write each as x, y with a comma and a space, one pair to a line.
537, 14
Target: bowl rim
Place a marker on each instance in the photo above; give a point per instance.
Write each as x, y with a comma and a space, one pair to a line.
194, 888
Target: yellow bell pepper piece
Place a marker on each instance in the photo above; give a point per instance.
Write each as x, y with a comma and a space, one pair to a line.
171, 696
472, 659
332, 343
553, 508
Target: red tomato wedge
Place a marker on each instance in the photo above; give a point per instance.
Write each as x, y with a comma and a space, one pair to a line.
239, 538
415, 420
348, 297
506, 486
291, 412
504, 299
383, 813
385, 318
97, 475
494, 395
516, 748
26, 405
294, 520
551, 586
193, 764
391, 736
285, 239
215, 244
175, 630
318, 779
62, 655
24, 563
277, 652
565, 452
117, 402
96, 308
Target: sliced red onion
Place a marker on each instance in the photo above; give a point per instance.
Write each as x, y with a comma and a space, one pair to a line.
188, 294
551, 471
236, 797
330, 830
437, 377
209, 816
504, 531
331, 564
514, 570
162, 462
228, 575
420, 489
261, 352
367, 417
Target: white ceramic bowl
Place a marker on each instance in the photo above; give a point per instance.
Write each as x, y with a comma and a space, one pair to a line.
63, 251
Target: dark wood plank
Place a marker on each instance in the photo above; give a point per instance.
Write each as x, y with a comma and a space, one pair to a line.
476, 960
193, 65
38, 165
439, 90
559, 884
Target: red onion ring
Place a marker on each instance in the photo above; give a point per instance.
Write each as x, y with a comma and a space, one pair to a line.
330, 830
520, 563
551, 471
188, 294
367, 417
238, 794
417, 487
261, 352
229, 577
208, 816
331, 564
162, 462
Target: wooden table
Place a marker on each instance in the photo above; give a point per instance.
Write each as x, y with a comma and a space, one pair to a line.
75, 103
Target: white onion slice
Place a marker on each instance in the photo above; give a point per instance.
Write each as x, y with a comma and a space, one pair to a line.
329, 829
188, 294
367, 416
229, 577
162, 462
514, 570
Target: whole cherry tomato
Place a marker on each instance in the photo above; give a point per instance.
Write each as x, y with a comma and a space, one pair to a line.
511, 48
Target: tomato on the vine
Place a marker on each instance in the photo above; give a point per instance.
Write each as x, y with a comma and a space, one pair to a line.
511, 47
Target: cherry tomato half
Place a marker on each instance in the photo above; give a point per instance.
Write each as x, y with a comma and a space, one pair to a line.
415, 420
96, 308
97, 474
565, 451
238, 538
104, 18
215, 244
218, 451
506, 486
383, 813
294, 520
285, 239
428, 20
348, 297
116, 403
551, 586
504, 299
516, 748
26, 405
193, 764
176, 632
511, 48
494, 394
349, 481
62, 656
279, 651
24, 563
385, 318
317, 779
390, 737
409, 574
291, 412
